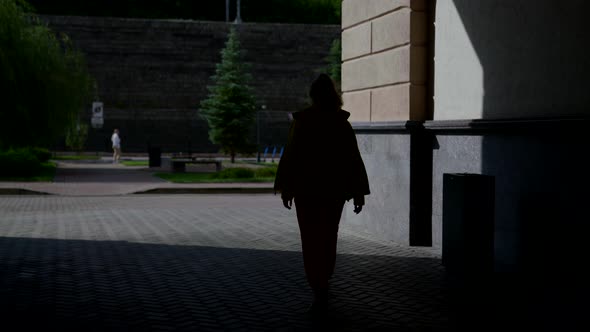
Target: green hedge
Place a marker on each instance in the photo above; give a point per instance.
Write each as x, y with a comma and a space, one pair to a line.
267, 172
41, 153
20, 162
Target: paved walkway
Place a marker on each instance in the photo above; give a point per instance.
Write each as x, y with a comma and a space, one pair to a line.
107, 179
197, 263
94, 259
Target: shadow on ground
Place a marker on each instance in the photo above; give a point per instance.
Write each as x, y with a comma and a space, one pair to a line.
115, 285
125, 286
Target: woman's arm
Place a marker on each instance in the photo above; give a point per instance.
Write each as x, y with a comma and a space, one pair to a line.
284, 177
359, 178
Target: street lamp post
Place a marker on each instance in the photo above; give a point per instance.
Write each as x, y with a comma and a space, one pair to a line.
258, 133
239, 12
226, 10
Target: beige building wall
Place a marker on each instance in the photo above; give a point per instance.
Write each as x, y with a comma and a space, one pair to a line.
384, 59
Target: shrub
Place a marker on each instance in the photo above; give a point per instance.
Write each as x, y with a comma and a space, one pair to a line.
267, 172
42, 154
21, 162
234, 173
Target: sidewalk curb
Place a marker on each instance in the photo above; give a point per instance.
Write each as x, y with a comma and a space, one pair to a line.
21, 191
152, 191
211, 190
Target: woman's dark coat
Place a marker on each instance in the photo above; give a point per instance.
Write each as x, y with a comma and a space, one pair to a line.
321, 158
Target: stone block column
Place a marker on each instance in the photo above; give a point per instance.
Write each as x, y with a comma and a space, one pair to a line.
384, 55
385, 63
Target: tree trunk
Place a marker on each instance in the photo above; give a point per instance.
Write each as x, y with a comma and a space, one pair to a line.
233, 157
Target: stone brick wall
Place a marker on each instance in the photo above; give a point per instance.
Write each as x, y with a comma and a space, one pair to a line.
384, 59
384, 84
152, 74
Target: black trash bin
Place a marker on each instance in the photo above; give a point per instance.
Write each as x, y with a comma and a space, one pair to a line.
155, 156
468, 223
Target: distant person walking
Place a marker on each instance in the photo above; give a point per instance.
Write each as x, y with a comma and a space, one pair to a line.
116, 146
320, 169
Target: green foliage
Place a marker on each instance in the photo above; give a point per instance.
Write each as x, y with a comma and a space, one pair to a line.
267, 172
76, 136
334, 62
245, 173
230, 174
284, 11
42, 154
15, 166
18, 162
135, 163
23, 162
234, 173
43, 79
230, 107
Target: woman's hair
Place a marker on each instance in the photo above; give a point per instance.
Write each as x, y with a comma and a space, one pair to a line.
324, 94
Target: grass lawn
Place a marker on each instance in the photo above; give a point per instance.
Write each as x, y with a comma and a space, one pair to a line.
75, 157
267, 164
46, 174
135, 162
207, 178
233, 173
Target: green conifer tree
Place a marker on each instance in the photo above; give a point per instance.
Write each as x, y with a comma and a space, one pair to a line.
230, 108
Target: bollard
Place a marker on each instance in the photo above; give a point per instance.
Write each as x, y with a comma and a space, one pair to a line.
154, 155
468, 223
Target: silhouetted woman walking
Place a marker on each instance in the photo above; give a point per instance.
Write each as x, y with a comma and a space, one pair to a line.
320, 169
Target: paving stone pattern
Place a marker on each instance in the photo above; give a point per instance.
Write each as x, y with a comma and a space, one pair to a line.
198, 263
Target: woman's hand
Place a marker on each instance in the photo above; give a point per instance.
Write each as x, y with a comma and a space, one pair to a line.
288, 203
358, 204
287, 200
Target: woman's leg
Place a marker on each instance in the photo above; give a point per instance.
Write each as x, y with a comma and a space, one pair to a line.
310, 240
318, 224
331, 237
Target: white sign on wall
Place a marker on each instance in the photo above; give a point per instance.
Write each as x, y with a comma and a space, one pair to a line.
97, 119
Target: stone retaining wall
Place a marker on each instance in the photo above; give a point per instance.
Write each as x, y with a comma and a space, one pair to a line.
152, 74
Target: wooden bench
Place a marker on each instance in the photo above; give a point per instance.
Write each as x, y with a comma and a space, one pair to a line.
179, 164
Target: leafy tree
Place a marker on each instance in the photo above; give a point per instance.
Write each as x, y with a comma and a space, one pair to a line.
76, 136
230, 108
43, 79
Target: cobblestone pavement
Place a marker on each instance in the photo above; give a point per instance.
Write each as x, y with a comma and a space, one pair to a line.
198, 263
233, 263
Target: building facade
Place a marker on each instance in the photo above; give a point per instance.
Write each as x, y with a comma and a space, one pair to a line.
493, 87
